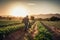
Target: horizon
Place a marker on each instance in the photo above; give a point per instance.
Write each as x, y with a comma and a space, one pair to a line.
29, 7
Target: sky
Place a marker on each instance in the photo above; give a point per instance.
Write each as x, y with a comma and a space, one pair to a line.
32, 6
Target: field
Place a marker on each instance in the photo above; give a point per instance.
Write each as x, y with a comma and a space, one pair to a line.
43, 34
53, 23
4, 23
53, 27
7, 27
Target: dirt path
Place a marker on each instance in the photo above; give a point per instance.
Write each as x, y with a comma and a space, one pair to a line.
55, 32
16, 35
23, 35
33, 30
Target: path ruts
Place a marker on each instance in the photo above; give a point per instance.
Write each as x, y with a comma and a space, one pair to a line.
55, 32
23, 35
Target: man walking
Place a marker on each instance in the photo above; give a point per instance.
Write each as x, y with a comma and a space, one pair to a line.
26, 22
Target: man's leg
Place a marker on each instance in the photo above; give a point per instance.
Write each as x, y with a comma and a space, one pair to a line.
25, 27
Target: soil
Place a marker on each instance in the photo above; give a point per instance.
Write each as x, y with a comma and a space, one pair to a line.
55, 32
21, 34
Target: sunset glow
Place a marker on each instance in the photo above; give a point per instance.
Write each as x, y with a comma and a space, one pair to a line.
19, 11
23, 8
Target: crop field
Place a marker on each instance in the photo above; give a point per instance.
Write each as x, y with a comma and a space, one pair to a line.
43, 34
8, 23
8, 27
53, 23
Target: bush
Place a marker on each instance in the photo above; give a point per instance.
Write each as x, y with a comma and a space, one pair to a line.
54, 18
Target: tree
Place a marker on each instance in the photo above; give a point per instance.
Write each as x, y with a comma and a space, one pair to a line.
54, 18
32, 17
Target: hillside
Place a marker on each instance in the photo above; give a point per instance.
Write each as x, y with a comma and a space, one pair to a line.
46, 15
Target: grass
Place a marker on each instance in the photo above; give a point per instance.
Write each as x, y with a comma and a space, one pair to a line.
6, 27
9, 29
43, 34
53, 23
7, 23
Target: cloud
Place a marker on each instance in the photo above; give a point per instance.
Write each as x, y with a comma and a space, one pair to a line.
31, 4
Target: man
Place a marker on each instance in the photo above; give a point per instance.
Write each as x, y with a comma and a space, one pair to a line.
26, 22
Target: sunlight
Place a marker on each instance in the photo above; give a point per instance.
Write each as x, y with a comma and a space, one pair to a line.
19, 11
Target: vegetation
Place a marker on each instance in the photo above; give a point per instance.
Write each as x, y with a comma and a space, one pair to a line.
7, 30
9, 26
8, 23
32, 17
54, 18
43, 34
53, 23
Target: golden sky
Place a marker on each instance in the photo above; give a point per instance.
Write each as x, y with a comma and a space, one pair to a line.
30, 7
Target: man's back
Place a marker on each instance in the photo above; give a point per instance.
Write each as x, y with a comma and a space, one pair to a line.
25, 20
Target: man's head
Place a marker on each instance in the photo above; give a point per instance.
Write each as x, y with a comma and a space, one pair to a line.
27, 16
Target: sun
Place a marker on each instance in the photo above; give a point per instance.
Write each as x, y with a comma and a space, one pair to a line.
19, 11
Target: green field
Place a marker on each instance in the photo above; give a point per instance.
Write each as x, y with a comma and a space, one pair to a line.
53, 23
7, 27
43, 34
5, 23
